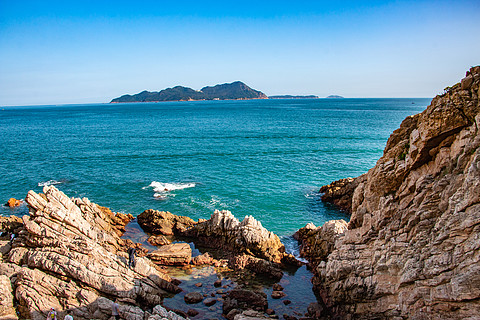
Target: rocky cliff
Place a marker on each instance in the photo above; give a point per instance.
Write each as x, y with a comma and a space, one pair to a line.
68, 255
412, 246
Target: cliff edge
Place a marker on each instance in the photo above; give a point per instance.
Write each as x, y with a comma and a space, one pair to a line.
412, 246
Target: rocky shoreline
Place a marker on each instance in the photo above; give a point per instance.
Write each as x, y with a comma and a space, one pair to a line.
411, 249
68, 254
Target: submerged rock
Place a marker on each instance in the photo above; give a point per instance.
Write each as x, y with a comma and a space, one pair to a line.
242, 299
412, 248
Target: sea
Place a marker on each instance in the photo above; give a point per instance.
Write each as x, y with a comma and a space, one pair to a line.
265, 158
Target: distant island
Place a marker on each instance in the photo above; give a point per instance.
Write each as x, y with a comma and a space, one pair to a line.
333, 96
293, 97
228, 91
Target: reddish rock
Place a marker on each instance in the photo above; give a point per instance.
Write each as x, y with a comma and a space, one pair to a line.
217, 283
270, 311
158, 240
12, 202
165, 223
199, 284
202, 259
286, 302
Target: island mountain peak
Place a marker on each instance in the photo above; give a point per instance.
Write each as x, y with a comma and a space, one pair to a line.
228, 91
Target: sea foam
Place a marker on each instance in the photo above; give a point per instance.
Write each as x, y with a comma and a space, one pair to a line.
160, 188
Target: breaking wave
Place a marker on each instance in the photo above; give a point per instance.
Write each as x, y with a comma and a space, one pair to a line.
161, 188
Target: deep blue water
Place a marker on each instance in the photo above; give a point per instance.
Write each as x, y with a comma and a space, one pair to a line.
265, 158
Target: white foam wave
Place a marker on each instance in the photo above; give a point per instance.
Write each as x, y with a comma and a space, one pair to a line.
167, 187
49, 183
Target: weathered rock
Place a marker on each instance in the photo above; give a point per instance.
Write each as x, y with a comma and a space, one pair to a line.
412, 247
176, 254
164, 314
223, 230
217, 283
71, 256
203, 259
12, 202
6, 299
250, 315
318, 242
12, 224
158, 240
259, 266
193, 297
165, 223
340, 192
245, 299
315, 310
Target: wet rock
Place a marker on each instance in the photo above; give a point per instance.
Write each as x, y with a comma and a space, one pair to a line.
209, 302
286, 302
12, 202
158, 240
198, 284
245, 299
270, 311
277, 287
289, 317
164, 223
259, 266
217, 283
315, 310
278, 294
193, 297
250, 315
192, 312
176, 254
232, 313
202, 259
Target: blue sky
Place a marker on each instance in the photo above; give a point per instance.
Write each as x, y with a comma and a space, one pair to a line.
56, 52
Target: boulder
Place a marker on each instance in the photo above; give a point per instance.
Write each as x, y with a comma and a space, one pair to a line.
164, 223
258, 266
193, 297
203, 259
12, 202
158, 240
245, 299
176, 254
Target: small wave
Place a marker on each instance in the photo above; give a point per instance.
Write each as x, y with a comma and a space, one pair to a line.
49, 183
167, 187
292, 247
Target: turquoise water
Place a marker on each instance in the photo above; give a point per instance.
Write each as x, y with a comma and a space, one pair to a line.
265, 158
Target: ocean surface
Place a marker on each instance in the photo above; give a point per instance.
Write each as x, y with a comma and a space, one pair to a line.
266, 158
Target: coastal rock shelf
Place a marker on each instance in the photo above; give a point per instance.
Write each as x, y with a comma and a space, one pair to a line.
68, 255
412, 247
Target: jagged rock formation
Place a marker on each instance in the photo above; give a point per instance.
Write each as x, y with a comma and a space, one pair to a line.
177, 254
69, 256
249, 236
412, 248
235, 91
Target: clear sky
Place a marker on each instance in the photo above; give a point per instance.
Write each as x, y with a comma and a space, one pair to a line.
57, 52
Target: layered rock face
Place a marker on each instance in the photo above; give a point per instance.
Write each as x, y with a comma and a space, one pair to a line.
412, 248
69, 256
